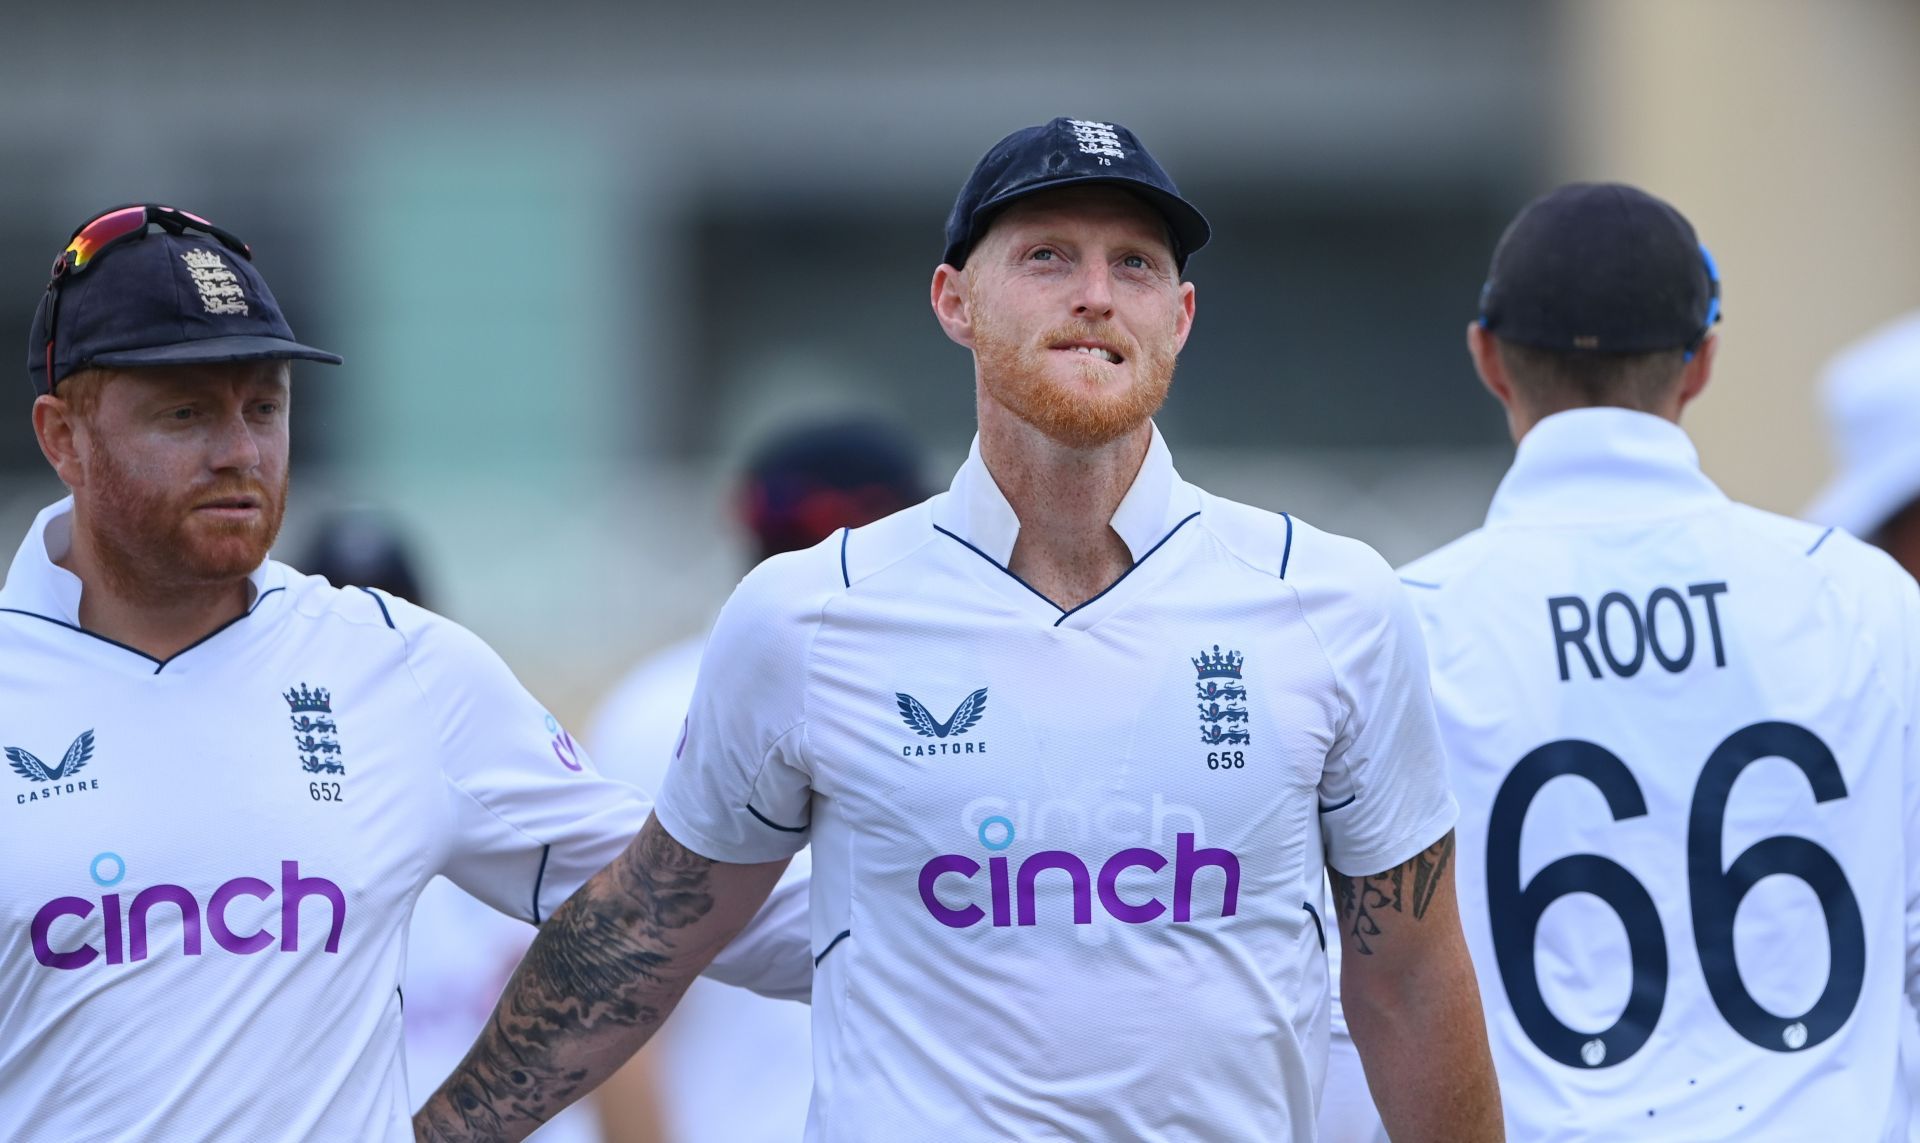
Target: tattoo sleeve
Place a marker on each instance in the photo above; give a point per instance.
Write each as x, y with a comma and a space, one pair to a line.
1364, 903
603, 973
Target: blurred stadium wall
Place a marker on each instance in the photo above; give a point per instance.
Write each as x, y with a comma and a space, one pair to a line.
579, 255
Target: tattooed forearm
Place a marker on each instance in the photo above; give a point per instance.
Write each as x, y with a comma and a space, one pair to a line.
1362, 902
601, 976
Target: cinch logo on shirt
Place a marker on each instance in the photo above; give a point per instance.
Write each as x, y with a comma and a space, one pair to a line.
125, 937
1011, 892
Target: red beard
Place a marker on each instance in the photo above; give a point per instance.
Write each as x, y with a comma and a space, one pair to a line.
151, 543
1019, 377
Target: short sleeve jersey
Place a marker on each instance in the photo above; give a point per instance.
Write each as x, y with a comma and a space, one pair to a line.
1682, 733
211, 859
732, 1067
1067, 863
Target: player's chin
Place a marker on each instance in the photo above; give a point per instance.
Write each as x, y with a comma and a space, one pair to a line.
1090, 425
225, 549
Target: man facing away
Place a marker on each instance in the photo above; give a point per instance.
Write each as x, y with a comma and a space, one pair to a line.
1682, 729
229, 781
1073, 743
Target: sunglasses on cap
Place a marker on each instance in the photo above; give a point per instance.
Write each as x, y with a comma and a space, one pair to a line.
114, 228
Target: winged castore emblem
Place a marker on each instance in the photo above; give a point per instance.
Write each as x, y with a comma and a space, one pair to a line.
27, 766
922, 722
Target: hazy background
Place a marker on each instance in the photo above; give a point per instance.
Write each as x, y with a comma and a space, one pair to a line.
578, 256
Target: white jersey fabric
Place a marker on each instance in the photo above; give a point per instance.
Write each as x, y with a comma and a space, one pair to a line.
1682, 731
211, 859
731, 1066
1067, 865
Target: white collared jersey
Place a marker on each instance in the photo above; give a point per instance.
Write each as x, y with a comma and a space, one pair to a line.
210, 860
1682, 733
730, 1067
1067, 864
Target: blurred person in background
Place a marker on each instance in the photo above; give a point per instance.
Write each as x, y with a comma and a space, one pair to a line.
460, 950
208, 890
1071, 574
1682, 731
1872, 396
732, 1067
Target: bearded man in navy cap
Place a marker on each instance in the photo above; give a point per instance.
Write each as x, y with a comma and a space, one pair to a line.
1073, 742
229, 781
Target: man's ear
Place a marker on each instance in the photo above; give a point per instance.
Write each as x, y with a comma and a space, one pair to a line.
63, 437
1697, 372
1183, 324
1484, 348
951, 306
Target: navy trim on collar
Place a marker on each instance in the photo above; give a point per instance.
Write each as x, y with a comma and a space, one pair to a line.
1066, 611
158, 664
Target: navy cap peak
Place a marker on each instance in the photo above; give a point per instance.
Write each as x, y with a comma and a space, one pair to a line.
1066, 152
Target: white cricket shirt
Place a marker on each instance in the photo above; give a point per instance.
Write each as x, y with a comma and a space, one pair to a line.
211, 860
1682, 733
1067, 865
732, 1067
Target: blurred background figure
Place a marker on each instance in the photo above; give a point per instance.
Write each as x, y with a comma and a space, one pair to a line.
732, 1067
1871, 396
1871, 392
567, 292
459, 950
364, 547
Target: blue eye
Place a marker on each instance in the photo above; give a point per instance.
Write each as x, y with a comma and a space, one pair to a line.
1046, 254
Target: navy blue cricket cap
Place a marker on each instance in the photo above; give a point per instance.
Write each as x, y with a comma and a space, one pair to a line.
160, 298
808, 482
1066, 153
1603, 267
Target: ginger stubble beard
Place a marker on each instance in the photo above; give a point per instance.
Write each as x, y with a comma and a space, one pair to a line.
1017, 376
153, 548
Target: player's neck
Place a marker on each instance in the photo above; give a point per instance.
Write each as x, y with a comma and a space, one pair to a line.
153, 617
1065, 499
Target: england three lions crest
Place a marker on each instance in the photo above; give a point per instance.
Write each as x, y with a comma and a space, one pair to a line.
314, 733
1223, 698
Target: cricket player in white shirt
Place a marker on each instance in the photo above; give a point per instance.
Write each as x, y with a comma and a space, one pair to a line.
1682, 730
733, 1067
1073, 743
226, 781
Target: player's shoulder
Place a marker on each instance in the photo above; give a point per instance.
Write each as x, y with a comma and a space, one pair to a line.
314, 598
1869, 579
1280, 544
1829, 550
869, 551
800, 586
378, 618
